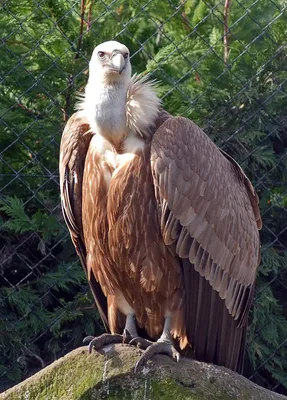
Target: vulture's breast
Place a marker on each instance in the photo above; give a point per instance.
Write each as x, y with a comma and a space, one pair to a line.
120, 222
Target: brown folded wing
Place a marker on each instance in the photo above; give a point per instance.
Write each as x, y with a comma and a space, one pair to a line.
74, 146
209, 217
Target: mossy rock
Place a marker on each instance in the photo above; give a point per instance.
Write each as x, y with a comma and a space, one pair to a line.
83, 376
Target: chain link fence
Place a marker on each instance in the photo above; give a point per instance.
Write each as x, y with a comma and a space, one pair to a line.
221, 63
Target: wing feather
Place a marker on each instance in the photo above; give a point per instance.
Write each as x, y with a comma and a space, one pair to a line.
74, 146
206, 196
209, 216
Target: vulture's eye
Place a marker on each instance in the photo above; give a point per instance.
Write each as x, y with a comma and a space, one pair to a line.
101, 55
126, 55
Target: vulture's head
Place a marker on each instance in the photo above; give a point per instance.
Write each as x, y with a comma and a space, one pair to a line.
110, 63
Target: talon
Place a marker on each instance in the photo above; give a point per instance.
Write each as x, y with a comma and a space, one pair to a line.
126, 336
140, 342
99, 342
91, 345
87, 339
157, 348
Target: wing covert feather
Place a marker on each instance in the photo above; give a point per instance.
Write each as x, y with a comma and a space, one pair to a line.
208, 210
73, 149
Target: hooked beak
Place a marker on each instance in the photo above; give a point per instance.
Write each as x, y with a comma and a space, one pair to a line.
118, 62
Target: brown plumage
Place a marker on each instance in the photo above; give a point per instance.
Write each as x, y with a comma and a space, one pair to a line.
167, 225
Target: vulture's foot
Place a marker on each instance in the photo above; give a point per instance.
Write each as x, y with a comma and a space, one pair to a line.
99, 342
164, 345
159, 347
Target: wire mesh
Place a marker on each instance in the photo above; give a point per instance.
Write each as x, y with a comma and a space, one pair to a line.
219, 63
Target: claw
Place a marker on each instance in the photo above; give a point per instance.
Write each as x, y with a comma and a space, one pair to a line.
87, 339
126, 336
140, 342
157, 348
97, 343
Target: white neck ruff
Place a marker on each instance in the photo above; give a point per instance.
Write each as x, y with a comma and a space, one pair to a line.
141, 108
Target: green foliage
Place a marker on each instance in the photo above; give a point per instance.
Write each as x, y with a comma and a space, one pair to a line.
20, 222
46, 309
241, 105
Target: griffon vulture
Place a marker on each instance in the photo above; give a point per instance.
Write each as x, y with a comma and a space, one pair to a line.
165, 223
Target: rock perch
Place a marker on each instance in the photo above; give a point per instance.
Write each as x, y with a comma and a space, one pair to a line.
83, 376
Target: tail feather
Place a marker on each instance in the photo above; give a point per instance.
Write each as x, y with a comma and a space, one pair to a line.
212, 332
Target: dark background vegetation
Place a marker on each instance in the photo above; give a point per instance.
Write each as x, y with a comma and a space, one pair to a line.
234, 86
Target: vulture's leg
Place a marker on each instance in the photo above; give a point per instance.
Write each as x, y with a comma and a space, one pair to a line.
164, 345
99, 342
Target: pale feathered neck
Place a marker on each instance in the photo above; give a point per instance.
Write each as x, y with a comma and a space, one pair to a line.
142, 105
